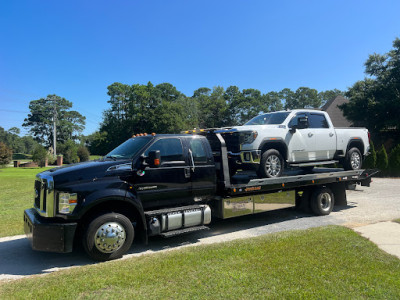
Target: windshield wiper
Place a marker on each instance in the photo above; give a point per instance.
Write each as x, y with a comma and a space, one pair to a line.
112, 157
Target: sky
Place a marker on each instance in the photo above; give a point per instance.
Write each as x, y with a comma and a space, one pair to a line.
75, 49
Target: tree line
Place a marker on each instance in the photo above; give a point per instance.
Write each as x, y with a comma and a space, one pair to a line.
161, 108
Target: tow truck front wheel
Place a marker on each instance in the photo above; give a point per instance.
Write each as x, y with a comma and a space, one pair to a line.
271, 165
108, 236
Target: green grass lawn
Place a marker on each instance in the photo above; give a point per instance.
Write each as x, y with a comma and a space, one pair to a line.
94, 157
327, 262
16, 194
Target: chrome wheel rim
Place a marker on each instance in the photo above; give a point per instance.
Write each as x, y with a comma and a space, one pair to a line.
273, 165
326, 201
355, 161
110, 237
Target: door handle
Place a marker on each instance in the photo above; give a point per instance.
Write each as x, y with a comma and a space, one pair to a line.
187, 172
310, 134
331, 134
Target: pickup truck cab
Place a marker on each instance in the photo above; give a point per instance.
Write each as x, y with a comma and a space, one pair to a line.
299, 138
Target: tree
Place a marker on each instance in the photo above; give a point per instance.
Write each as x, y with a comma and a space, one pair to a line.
382, 159
69, 151
39, 155
304, 97
40, 120
394, 159
83, 153
375, 101
370, 160
5, 154
325, 96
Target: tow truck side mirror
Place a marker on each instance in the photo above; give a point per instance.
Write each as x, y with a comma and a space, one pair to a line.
154, 159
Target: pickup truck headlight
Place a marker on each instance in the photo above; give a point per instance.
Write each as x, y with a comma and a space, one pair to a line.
67, 202
249, 137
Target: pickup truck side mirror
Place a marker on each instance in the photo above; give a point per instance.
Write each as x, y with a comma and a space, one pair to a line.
293, 129
154, 159
302, 123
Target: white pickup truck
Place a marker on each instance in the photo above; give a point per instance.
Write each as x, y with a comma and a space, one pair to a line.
299, 138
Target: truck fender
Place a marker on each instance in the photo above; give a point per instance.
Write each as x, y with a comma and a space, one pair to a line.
275, 143
102, 198
356, 142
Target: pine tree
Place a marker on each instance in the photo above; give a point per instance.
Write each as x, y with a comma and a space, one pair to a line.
370, 160
382, 159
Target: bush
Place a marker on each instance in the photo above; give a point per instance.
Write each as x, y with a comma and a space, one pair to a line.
5, 154
69, 150
83, 153
39, 155
382, 160
394, 159
370, 160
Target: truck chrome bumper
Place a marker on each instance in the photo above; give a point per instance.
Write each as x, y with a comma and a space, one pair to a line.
45, 235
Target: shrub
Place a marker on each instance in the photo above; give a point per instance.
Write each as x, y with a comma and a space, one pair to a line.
39, 155
69, 150
5, 154
370, 160
83, 153
394, 159
382, 160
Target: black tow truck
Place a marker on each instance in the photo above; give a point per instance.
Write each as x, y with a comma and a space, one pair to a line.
164, 185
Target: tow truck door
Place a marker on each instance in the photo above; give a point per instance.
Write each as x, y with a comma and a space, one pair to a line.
202, 168
168, 184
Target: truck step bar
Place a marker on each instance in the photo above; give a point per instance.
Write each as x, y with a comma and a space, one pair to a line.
314, 163
183, 231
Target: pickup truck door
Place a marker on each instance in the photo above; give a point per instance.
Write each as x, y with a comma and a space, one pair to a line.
202, 169
301, 143
325, 136
168, 184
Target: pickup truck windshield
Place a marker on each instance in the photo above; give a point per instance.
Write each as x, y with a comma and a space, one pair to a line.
270, 118
129, 148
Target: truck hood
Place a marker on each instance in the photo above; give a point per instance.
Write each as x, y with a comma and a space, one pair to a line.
248, 128
86, 171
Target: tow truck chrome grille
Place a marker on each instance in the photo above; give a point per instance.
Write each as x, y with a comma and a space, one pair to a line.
44, 195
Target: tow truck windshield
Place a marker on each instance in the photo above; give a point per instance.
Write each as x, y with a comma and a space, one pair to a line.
129, 148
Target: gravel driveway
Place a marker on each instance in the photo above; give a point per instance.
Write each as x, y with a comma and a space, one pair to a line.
380, 202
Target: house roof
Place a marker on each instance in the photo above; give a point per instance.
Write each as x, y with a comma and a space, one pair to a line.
335, 113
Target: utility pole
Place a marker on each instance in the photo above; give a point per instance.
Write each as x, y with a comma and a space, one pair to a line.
54, 128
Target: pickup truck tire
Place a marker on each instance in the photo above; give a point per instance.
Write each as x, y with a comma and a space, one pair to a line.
108, 236
271, 165
353, 159
322, 201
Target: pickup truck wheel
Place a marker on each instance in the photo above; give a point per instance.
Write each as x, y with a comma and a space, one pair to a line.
353, 159
271, 165
108, 237
322, 201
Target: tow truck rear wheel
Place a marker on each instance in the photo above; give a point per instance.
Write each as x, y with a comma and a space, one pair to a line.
322, 201
271, 165
108, 236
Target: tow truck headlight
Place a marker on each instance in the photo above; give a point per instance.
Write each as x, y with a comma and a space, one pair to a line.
67, 202
249, 137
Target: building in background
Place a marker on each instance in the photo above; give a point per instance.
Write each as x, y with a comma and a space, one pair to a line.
336, 114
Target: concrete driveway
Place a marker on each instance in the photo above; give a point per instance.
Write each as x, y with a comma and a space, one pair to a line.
380, 202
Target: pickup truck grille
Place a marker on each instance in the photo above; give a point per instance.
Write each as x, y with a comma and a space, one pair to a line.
44, 195
232, 141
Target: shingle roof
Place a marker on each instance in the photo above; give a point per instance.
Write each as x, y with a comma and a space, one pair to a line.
335, 113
